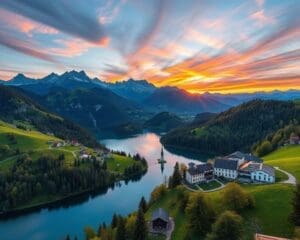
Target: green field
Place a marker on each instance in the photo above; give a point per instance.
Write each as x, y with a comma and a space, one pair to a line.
287, 158
26, 140
118, 163
280, 176
210, 185
33, 143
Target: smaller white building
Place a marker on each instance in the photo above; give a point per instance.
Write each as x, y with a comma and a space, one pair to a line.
226, 168
258, 172
199, 173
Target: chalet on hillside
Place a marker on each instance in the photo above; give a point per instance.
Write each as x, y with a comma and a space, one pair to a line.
199, 173
294, 139
160, 220
226, 168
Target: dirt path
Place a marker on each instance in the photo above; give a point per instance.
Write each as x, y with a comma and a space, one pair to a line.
170, 231
201, 190
291, 180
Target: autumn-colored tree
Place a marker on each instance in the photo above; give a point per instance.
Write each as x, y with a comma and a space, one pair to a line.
200, 214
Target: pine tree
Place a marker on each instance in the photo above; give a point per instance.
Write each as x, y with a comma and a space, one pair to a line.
114, 221
176, 177
295, 217
200, 214
140, 229
121, 232
143, 204
99, 230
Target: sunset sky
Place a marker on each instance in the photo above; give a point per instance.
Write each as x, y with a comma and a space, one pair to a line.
213, 45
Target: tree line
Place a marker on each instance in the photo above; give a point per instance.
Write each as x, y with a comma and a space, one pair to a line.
49, 176
237, 128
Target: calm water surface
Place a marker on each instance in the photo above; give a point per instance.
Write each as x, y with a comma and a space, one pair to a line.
51, 224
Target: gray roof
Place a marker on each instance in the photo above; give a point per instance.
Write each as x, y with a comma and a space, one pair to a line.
200, 168
236, 154
225, 163
160, 214
268, 169
247, 156
252, 167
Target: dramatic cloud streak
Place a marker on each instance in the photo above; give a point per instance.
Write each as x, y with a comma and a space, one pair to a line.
217, 46
66, 16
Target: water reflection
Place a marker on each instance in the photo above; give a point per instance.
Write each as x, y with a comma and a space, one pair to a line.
71, 217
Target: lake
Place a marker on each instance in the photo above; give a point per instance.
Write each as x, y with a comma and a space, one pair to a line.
56, 223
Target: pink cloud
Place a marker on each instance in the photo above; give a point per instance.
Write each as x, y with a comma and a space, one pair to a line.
24, 24
76, 47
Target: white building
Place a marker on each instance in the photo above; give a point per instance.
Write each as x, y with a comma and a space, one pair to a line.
226, 168
258, 172
199, 173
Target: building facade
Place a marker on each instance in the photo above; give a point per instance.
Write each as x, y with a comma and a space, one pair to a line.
257, 172
226, 168
199, 173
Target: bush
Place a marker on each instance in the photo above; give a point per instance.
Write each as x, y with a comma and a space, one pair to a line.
229, 225
235, 198
200, 214
157, 193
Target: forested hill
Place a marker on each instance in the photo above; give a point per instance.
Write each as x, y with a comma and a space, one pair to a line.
21, 110
237, 128
163, 122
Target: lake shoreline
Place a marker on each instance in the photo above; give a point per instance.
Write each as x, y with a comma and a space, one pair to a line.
59, 202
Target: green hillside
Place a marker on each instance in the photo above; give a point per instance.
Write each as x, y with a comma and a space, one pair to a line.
163, 122
287, 158
34, 172
266, 216
19, 109
235, 129
16, 142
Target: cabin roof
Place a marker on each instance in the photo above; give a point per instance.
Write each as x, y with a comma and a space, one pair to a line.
160, 214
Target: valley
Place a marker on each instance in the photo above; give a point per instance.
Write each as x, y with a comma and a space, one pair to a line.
81, 146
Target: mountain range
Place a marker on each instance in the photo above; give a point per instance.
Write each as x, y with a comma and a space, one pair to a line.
141, 91
126, 105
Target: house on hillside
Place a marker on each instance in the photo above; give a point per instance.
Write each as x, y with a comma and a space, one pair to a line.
58, 144
198, 173
75, 143
257, 172
84, 156
226, 168
160, 221
266, 237
294, 139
